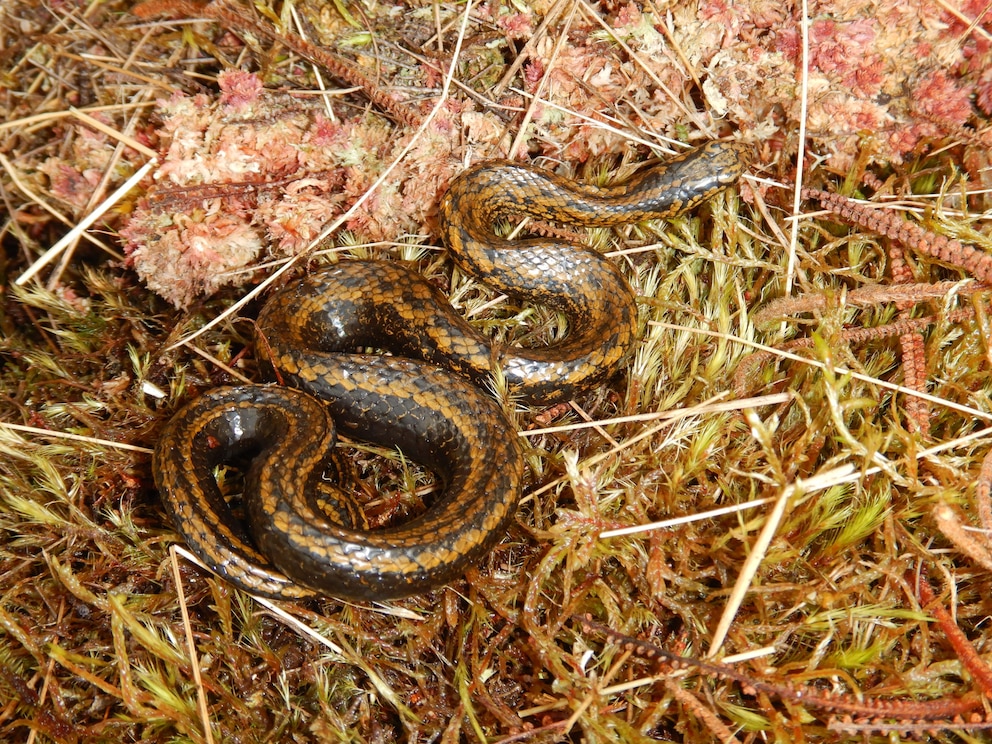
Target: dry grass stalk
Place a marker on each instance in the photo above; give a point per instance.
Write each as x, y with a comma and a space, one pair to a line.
100, 641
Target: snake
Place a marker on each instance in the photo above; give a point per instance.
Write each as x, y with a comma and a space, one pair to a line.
373, 350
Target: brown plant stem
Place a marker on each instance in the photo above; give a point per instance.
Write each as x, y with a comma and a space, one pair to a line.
235, 19
944, 709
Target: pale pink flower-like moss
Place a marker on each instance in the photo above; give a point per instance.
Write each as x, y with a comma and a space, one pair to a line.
517, 25
942, 97
253, 174
984, 92
239, 89
193, 253
73, 178
846, 51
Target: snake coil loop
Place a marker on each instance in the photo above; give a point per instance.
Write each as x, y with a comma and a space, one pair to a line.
306, 536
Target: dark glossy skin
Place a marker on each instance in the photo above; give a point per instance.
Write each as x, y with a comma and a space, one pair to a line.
305, 536
574, 279
302, 539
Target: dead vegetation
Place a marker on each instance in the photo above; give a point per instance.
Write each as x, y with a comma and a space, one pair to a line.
785, 477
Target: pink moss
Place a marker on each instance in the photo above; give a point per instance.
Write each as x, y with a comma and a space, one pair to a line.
239, 89
941, 97
845, 51
517, 25
285, 170
983, 95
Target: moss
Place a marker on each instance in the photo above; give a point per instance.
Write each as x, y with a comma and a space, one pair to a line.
94, 632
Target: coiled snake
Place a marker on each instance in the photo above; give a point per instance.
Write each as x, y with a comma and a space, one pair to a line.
305, 535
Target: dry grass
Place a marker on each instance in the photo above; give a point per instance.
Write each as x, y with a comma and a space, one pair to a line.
835, 495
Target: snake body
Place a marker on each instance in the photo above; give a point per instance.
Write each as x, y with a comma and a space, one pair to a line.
305, 536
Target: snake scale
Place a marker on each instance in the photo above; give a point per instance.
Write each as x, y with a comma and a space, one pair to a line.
305, 535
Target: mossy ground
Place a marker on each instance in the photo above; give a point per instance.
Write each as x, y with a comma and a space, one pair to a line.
95, 633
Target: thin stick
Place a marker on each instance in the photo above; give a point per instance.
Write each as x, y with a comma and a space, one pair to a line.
84, 224
113, 133
648, 70
760, 547
46, 117
529, 113
32, 196
837, 369
647, 434
686, 519
550, 17
761, 400
75, 437
201, 694
801, 154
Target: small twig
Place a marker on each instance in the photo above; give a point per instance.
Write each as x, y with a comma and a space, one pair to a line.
74, 437
982, 493
975, 262
235, 20
529, 48
85, 223
529, 113
979, 670
954, 530
942, 711
759, 549
194, 659
852, 336
913, 349
690, 112
797, 194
